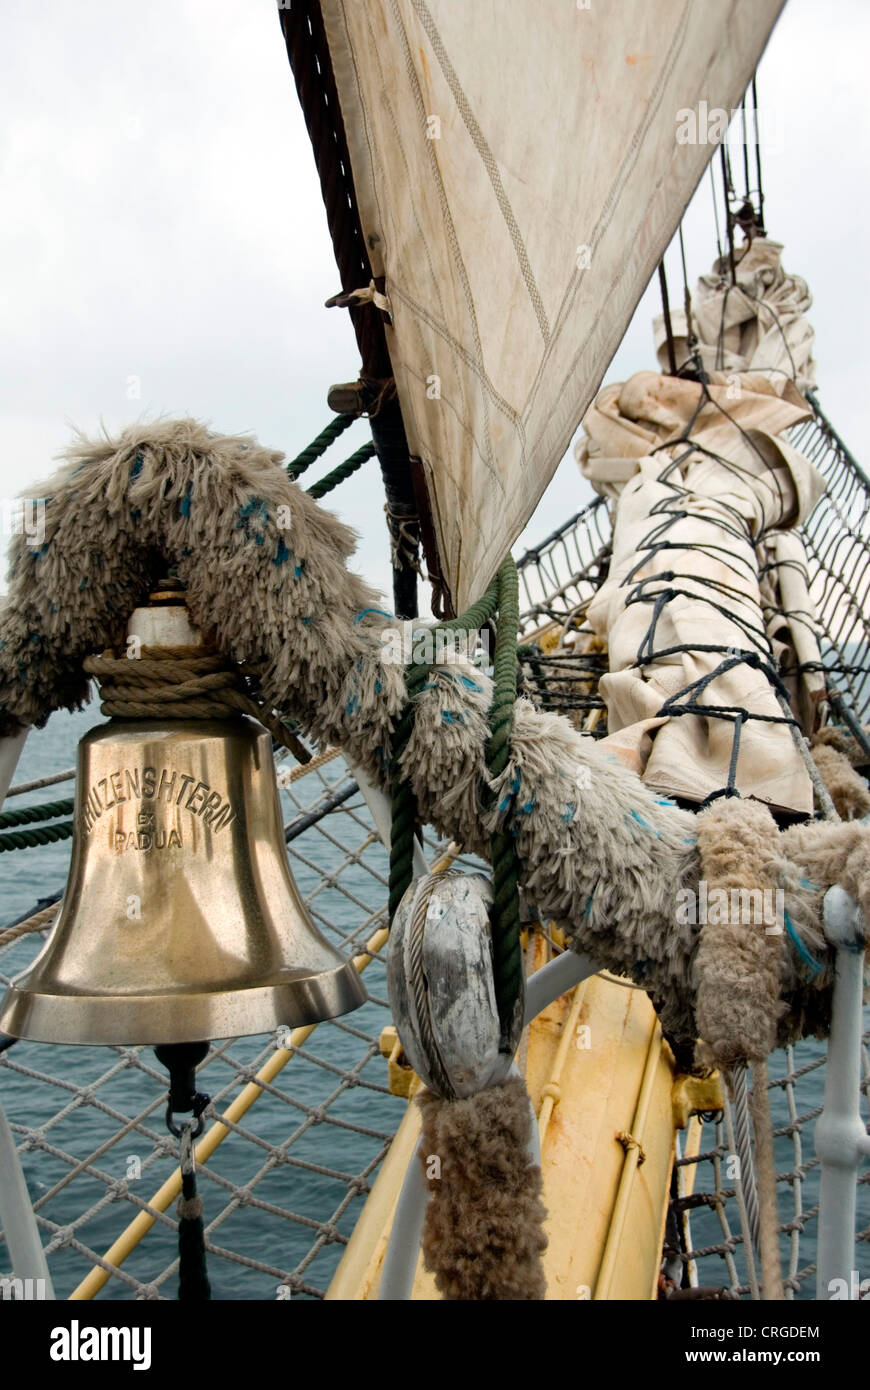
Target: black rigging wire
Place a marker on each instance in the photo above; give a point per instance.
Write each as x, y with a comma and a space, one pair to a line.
729, 222
716, 212
745, 133
760, 209
666, 312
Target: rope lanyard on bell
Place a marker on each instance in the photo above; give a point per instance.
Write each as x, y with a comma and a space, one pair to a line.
181, 1061
502, 597
182, 683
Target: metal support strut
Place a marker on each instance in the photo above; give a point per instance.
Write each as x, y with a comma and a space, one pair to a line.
841, 1137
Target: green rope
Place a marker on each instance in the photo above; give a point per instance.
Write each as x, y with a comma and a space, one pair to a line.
405, 814
41, 835
505, 915
343, 471
319, 445
502, 594
47, 811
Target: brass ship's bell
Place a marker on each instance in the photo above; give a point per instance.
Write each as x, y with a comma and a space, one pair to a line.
181, 921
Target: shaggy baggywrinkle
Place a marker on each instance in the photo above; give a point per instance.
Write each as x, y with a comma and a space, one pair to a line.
268, 580
482, 1235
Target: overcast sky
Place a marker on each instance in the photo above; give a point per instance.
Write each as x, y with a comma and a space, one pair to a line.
163, 231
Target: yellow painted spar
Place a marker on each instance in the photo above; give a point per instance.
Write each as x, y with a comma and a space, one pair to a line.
601, 1079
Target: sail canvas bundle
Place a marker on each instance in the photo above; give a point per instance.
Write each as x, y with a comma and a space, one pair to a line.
753, 321
683, 594
518, 174
707, 601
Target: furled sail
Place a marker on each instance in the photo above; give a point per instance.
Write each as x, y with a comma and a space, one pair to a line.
518, 171
755, 322
706, 606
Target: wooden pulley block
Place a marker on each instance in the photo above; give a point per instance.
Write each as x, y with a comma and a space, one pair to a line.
441, 985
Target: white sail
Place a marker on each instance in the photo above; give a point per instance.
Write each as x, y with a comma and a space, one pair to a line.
519, 170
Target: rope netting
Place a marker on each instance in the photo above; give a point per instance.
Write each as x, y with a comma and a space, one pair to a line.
704, 1233
837, 541
561, 574
282, 1194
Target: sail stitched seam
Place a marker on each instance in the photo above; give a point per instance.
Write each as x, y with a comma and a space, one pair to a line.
488, 161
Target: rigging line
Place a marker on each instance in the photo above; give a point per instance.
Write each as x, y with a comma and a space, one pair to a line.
658, 601
691, 341
705, 397
652, 543
720, 258
670, 511
746, 475
666, 311
764, 304
699, 686
720, 335
716, 552
745, 131
758, 157
715, 212
729, 223
642, 594
739, 470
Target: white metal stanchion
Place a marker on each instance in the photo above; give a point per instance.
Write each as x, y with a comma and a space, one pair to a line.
841, 1137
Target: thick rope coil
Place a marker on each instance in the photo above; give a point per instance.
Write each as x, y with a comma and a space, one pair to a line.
163, 683
342, 472
319, 446
181, 683
47, 811
39, 835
